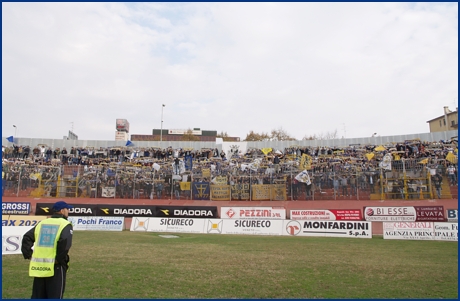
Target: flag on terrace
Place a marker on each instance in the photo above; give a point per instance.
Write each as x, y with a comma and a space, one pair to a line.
129, 143
10, 139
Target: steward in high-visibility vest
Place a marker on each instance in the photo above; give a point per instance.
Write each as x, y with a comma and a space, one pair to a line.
51, 240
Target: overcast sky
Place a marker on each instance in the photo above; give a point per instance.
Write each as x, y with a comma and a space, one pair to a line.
307, 68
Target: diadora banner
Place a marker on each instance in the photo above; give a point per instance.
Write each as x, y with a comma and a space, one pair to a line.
421, 231
404, 214
253, 212
125, 210
349, 229
16, 208
97, 223
20, 220
79, 209
186, 211
12, 239
327, 215
99, 210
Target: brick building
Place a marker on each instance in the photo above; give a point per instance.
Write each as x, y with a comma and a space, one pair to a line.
178, 135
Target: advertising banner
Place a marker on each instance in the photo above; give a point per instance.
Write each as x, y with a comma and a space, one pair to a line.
430, 213
220, 192
78, 210
350, 229
446, 231
125, 210
200, 190
12, 239
420, 231
186, 211
390, 214
178, 225
21, 208
97, 223
21, 220
248, 226
253, 212
452, 215
327, 215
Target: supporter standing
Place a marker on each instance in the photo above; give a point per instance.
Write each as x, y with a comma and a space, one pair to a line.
51, 240
437, 181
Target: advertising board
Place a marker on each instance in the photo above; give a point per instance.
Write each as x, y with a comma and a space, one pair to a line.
350, 229
420, 231
12, 239
97, 223
22, 208
253, 212
327, 215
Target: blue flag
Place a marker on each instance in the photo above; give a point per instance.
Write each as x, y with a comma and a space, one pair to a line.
129, 143
10, 139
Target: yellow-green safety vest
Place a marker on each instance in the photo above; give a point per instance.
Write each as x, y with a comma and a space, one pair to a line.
47, 234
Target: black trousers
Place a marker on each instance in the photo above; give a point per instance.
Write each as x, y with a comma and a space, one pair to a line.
50, 287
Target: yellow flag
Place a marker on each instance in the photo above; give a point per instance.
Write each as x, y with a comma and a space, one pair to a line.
424, 161
370, 156
451, 158
184, 186
305, 162
396, 157
266, 150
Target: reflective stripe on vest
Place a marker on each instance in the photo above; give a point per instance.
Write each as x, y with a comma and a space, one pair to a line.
47, 234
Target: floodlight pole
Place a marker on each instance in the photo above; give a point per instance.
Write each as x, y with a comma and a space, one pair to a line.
161, 130
15, 130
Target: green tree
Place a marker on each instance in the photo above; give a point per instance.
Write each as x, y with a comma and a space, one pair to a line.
252, 136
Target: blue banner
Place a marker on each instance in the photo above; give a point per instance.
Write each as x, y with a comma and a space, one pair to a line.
188, 162
200, 190
12, 208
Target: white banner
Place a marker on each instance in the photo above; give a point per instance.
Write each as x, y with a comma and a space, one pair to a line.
421, 231
253, 212
12, 239
108, 192
250, 226
390, 214
178, 225
352, 229
97, 223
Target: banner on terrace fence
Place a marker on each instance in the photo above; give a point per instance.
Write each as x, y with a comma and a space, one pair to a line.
200, 190
430, 213
108, 192
12, 239
260, 192
327, 215
253, 212
351, 229
220, 192
420, 231
240, 191
97, 223
16, 208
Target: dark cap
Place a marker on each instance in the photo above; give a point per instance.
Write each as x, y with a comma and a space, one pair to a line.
58, 206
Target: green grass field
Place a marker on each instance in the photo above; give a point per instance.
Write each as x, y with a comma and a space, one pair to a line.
145, 265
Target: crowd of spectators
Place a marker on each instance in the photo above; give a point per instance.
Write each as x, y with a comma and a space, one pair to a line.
157, 173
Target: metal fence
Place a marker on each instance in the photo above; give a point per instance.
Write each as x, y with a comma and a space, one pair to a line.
244, 179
